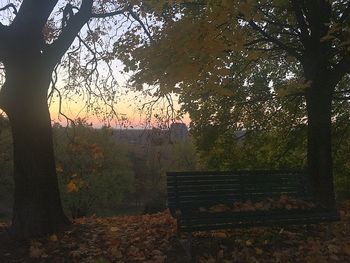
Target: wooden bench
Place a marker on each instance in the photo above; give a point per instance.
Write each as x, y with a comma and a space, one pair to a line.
190, 192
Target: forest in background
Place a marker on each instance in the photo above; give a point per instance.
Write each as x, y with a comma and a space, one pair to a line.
101, 174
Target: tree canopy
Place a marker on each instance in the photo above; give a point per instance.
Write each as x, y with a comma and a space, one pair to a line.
210, 49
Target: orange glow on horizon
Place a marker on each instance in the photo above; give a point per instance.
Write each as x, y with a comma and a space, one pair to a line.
129, 117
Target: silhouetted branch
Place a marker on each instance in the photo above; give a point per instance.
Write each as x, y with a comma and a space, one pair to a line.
109, 14
54, 79
345, 14
137, 18
345, 98
301, 22
93, 52
67, 13
8, 6
342, 91
33, 15
73, 26
291, 51
340, 70
60, 108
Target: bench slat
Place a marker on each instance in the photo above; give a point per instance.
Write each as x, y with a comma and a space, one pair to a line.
232, 188
261, 178
188, 191
232, 184
262, 222
249, 172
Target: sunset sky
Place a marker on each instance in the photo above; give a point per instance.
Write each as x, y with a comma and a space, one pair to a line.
127, 107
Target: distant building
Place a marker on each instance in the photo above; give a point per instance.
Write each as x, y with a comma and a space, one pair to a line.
177, 132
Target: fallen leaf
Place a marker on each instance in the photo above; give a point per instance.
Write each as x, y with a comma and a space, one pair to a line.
258, 251
114, 229
333, 248
346, 249
53, 238
36, 252
220, 235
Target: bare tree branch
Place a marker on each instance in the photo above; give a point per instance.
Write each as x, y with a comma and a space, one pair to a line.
60, 108
342, 91
32, 16
67, 13
301, 22
72, 24
340, 70
256, 41
137, 18
92, 61
345, 98
291, 51
345, 14
10, 6
109, 14
58, 48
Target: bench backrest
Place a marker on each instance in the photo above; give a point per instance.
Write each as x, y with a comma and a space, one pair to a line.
196, 189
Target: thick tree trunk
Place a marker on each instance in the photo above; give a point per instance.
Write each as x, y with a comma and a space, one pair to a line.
319, 154
37, 206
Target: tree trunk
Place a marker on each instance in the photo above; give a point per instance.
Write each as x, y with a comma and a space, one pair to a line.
319, 153
37, 206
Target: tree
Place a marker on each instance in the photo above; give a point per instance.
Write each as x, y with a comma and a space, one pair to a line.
196, 45
254, 128
6, 180
34, 37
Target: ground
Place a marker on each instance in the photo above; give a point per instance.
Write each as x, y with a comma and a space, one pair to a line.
151, 238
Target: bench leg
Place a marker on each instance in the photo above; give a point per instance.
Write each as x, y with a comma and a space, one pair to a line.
329, 231
187, 244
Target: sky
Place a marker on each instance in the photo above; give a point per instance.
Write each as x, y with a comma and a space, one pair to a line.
127, 107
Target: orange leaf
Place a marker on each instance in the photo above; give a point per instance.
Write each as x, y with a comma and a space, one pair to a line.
72, 187
35, 251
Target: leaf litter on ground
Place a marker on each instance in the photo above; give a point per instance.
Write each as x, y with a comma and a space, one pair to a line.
152, 238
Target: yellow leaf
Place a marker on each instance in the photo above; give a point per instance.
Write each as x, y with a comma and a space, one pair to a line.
258, 251
248, 243
53, 238
220, 235
114, 229
59, 169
